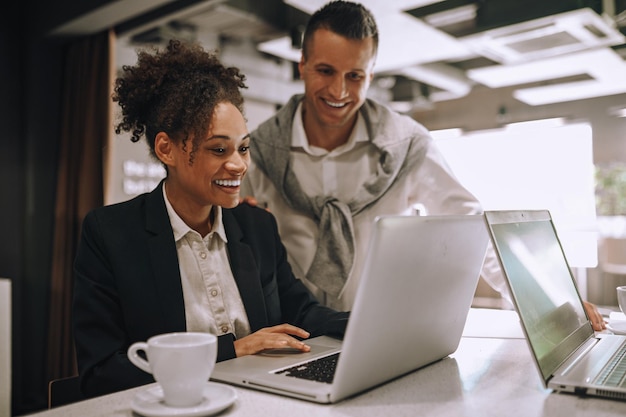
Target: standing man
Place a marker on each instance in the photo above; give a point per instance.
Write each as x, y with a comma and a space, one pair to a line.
331, 160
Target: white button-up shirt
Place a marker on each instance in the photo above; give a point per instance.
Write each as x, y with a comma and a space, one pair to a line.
212, 300
431, 186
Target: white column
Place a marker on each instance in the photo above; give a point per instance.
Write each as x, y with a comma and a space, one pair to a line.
5, 347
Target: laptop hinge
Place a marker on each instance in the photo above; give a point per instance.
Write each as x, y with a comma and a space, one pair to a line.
580, 355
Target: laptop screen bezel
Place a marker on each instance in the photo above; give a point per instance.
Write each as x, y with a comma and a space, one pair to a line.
549, 362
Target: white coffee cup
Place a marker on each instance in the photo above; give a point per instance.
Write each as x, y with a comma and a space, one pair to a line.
180, 362
621, 298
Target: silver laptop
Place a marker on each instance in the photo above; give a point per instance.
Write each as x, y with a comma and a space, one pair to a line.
410, 310
567, 352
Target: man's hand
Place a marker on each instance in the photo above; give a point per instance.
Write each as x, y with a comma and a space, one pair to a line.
276, 337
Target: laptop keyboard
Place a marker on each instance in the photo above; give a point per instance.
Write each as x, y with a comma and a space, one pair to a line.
321, 370
613, 374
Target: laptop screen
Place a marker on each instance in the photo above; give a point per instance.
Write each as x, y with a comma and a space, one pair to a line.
541, 284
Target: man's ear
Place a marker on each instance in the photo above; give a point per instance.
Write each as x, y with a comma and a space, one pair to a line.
301, 65
164, 148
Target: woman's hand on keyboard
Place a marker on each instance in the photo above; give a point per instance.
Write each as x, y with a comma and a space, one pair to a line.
275, 337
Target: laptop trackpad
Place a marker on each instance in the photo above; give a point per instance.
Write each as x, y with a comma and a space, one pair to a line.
280, 352
318, 346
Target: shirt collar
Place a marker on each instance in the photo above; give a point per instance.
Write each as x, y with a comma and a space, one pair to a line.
299, 139
180, 228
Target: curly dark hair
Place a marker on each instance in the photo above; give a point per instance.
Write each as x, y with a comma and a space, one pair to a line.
175, 90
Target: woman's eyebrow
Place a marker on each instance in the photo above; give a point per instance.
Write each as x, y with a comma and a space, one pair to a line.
246, 136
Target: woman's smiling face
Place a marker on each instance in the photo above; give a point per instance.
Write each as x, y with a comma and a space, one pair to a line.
213, 177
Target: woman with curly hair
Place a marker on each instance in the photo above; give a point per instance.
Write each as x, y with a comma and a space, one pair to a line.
186, 256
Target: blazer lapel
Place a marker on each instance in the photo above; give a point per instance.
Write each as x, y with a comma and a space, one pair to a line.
245, 271
164, 261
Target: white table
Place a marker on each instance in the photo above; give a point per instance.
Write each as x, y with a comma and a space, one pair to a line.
486, 376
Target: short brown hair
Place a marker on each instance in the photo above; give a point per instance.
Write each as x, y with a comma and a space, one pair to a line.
348, 19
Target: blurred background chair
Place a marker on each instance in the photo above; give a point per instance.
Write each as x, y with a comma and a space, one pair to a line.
612, 260
612, 257
64, 391
5, 347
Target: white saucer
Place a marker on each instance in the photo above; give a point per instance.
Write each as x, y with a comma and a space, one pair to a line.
217, 397
617, 326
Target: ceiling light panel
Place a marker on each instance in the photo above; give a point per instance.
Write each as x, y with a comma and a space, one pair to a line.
605, 66
602, 63
420, 42
545, 37
560, 93
452, 16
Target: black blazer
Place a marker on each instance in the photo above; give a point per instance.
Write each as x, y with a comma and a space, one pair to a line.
128, 286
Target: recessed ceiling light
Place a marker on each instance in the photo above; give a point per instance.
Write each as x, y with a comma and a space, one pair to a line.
604, 67
452, 16
454, 132
619, 111
536, 124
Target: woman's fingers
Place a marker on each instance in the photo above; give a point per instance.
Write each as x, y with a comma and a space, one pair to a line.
597, 321
275, 337
287, 329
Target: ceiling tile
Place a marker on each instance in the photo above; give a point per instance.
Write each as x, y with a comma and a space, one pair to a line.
605, 66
